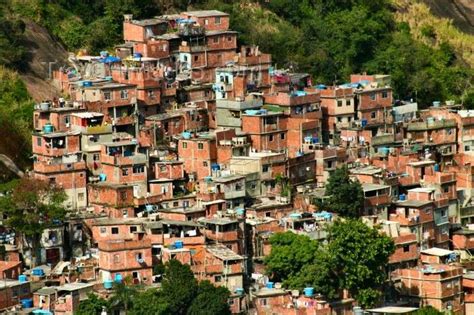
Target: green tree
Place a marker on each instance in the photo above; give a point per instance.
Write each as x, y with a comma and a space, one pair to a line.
428, 310
179, 286
344, 195
210, 300
31, 207
354, 259
150, 301
124, 295
290, 252
93, 305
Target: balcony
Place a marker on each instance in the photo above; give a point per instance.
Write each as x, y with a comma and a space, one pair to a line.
138, 158
90, 130
221, 236
42, 167
431, 125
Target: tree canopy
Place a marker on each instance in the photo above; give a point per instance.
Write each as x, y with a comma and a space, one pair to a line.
32, 206
354, 259
343, 195
180, 293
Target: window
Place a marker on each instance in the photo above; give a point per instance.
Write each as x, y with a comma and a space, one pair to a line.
135, 275
115, 230
270, 138
282, 136
339, 119
67, 119
446, 189
95, 157
123, 94
124, 171
133, 229
151, 94
123, 195
406, 248
206, 22
238, 187
217, 278
52, 180
265, 168
205, 164
217, 20
339, 103
137, 169
200, 146
229, 38
156, 250
444, 213
185, 145
80, 196
253, 186
384, 94
467, 148
263, 302
215, 40
107, 96
373, 115
38, 141
116, 258
348, 102
372, 96
268, 214
139, 256
103, 230
175, 203
196, 58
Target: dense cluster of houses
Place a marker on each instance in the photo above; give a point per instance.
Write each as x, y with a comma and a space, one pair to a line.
181, 146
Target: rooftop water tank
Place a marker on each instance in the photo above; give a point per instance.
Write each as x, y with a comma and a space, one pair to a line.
269, 285
27, 303
137, 55
308, 291
239, 291
436, 167
108, 284
22, 278
48, 128
436, 103
178, 244
37, 272
118, 278
402, 197
102, 177
363, 122
44, 106
357, 310
86, 83
186, 135
240, 211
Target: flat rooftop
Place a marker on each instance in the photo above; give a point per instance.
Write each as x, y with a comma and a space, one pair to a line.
205, 13
223, 252
372, 187
393, 310
435, 251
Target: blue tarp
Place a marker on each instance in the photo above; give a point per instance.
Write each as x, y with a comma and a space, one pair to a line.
110, 59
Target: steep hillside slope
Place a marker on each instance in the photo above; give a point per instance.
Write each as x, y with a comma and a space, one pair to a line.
44, 54
460, 11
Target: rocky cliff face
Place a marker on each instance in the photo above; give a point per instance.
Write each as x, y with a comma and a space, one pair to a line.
460, 11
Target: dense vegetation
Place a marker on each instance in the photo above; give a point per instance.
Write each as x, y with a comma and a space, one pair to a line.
180, 294
354, 259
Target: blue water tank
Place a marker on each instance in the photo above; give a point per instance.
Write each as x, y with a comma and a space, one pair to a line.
186, 135
308, 291
137, 55
263, 111
215, 167
22, 278
315, 139
178, 244
149, 208
48, 128
402, 197
239, 291
27, 303
118, 278
108, 78
295, 215
102, 177
363, 122
108, 284
436, 167
104, 53
37, 272
270, 285
384, 150
240, 211
87, 83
